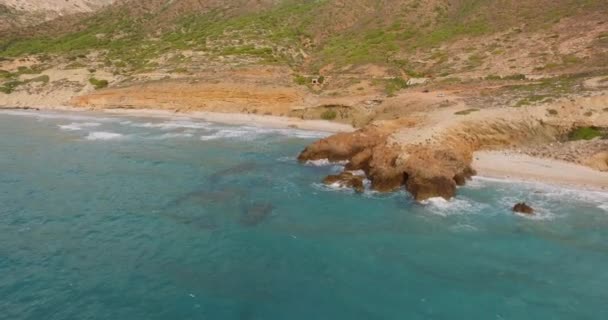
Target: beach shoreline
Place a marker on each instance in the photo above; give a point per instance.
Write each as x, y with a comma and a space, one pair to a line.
273, 122
507, 165
512, 166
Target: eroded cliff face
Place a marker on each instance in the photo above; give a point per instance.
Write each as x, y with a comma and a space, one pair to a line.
185, 96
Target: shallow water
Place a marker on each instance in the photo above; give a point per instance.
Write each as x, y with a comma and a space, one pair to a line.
132, 218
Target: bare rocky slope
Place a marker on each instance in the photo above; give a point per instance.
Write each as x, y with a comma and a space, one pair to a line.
23, 13
428, 82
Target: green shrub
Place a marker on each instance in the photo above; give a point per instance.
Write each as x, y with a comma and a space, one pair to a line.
329, 115
300, 80
552, 112
395, 84
5, 74
515, 77
585, 133
98, 84
493, 77
9, 87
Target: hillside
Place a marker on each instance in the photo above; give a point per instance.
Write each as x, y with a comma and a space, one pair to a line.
360, 47
22, 13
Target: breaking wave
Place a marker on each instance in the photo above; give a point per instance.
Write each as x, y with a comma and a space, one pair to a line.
325, 163
76, 126
171, 125
102, 135
56, 115
171, 135
455, 206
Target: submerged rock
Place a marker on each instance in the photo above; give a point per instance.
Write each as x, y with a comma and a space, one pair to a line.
204, 222
256, 213
346, 180
522, 207
238, 169
205, 197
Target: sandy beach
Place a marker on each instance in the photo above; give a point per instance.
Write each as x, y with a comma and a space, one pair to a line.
219, 117
510, 165
240, 119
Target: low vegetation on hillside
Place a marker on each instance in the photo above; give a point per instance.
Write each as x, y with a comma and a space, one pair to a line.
305, 34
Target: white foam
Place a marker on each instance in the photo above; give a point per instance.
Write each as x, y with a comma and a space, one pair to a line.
359, 173
219, 131
172, 135
101, 135
543, 195
542, 208
55, 115
288, 159
539, 214
170, 125
325, 163
454, 206
76, 126
229, 134
550, 189
297, 133
336, 186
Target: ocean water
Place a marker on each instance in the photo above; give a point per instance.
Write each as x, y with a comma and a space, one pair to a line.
105, 217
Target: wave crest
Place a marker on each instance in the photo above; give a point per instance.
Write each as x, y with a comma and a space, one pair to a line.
77, 126
102, 135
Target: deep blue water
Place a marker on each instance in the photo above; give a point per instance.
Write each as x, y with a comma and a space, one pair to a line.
132, 218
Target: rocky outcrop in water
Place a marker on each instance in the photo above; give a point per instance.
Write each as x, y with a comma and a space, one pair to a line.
523, 208
346, 180
426, 172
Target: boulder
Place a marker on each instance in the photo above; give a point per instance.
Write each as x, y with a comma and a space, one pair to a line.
346, 180
463, 176
423, 188
522, 207
432, 173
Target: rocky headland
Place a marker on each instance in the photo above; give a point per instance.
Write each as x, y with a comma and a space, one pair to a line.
432, 158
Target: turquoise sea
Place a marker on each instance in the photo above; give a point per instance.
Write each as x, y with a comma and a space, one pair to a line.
108, 217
